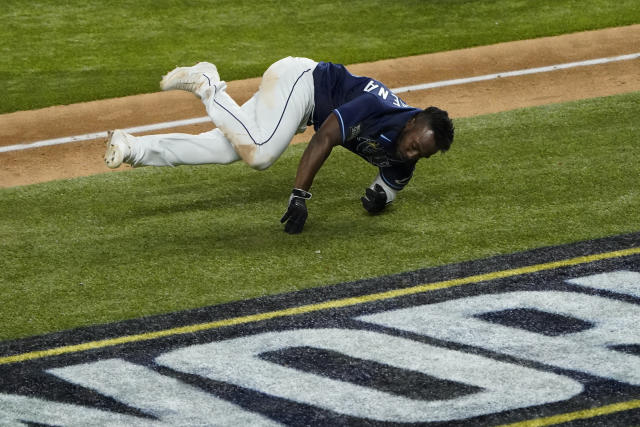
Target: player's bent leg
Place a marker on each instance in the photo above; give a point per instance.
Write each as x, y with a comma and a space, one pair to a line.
262, 128
288, 82
174, 149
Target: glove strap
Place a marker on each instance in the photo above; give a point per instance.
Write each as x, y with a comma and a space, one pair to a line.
301, 194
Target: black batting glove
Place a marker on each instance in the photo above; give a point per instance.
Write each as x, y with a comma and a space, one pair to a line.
296, 213
375, 199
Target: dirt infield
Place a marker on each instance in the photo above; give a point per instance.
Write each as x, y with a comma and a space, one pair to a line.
70, 160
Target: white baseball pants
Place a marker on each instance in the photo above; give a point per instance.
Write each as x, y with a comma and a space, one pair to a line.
258, 132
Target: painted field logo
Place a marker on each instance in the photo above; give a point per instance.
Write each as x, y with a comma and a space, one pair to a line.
541, 344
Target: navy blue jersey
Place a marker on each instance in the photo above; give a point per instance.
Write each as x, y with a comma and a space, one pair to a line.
370, 116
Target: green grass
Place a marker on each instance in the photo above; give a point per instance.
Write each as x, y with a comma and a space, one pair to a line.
154, 240
55, 52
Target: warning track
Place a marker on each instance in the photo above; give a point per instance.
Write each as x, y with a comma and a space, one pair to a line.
535, 338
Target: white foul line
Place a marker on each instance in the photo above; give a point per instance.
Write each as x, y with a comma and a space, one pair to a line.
97, 135
424, 86
517, 73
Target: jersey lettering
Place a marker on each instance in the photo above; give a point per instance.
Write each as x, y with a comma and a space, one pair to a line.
371, 86
383, 93
397, 101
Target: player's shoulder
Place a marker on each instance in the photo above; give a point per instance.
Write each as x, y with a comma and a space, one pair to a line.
386, 102
330, 68
374, 100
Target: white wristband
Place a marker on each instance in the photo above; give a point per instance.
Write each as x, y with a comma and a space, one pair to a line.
391, 193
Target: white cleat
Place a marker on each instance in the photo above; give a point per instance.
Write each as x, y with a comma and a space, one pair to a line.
194, 79
118, 148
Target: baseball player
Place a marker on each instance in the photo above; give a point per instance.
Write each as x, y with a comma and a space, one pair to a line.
358, 113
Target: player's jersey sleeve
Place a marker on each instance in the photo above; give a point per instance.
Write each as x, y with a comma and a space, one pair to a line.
351, 114
397, 176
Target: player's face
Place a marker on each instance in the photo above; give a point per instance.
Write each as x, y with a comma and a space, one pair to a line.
416, 141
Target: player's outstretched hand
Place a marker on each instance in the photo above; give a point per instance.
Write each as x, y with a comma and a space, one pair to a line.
375, 199
296, 214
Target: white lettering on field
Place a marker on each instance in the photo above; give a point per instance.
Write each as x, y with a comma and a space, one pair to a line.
615, 323
505, 385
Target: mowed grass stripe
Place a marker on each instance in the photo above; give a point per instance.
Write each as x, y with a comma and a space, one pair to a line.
343, 302
96, 58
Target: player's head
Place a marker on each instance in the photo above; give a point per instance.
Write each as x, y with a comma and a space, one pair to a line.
426, 133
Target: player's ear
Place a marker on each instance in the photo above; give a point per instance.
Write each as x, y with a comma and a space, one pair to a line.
410, 123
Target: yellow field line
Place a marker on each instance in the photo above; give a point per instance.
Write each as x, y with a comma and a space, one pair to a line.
578, 415
344, 302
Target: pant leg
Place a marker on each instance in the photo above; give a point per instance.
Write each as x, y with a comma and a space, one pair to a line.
181, 149
262, 128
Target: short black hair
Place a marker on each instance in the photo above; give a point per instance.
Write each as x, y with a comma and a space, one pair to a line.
442, 126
